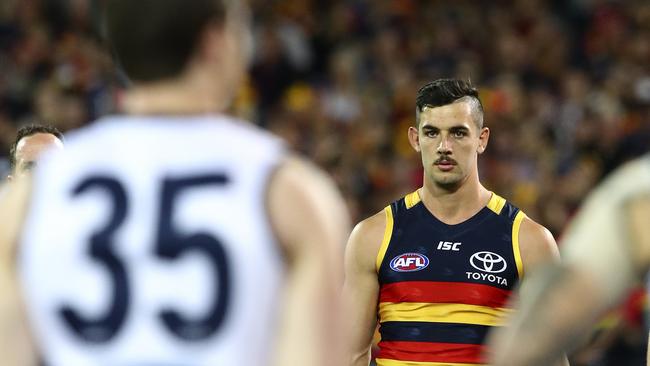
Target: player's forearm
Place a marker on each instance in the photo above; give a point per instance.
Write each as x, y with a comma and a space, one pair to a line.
546, 323
543, 347
359, 325
16, 346
358, 331
308, 318
360, 359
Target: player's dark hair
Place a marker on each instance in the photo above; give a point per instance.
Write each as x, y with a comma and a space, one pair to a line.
154, 39
29, 130
447, 91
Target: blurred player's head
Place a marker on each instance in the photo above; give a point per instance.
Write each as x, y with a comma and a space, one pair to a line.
161, 40
449, 132
30, 142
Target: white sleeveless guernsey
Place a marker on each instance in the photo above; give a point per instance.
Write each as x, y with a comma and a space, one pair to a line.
147, 243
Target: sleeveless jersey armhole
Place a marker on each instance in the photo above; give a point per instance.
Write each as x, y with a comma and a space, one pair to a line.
516, 225
388, 232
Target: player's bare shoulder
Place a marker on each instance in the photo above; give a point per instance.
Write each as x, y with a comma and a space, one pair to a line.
365, 241
303, 201
13, 208
537, 244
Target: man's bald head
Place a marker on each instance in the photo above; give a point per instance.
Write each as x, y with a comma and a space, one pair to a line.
30, 142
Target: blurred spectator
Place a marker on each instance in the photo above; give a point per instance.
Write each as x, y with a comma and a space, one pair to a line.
31, 142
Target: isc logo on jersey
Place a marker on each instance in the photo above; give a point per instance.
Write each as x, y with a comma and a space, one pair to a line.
409, 262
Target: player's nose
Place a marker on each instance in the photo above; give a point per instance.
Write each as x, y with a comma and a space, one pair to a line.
444, 147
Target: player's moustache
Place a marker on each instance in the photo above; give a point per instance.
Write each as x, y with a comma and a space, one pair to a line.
445, 160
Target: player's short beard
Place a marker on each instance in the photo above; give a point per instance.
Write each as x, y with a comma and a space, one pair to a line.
449, 185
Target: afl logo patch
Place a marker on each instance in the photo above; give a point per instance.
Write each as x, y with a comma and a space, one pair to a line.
409, 262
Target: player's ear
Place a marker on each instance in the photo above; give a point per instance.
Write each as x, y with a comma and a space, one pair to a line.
483, 138
211, 43
414, 138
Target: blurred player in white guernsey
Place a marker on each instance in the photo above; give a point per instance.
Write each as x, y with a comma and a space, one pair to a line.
172, 234
605, 251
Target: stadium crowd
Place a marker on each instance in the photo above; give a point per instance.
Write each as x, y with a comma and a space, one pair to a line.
565, 86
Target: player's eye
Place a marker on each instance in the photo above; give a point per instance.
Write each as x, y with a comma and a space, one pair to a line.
28, 166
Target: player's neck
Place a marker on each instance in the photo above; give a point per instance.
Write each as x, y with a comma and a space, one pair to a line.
453, 206
189, 94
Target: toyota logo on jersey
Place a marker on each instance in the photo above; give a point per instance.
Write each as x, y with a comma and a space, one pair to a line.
409, 262
488, 262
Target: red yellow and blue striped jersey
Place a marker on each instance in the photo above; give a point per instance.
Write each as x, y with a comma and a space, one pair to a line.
443, 287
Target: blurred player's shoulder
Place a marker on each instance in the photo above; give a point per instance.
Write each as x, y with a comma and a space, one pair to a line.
637, 168
627, 181
128, 128
157, 140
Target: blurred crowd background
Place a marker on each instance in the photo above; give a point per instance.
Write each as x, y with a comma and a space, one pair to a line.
565, 86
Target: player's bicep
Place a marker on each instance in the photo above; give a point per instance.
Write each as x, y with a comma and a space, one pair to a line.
537, 245
637, 215
13, 208
596, 244
310, 222
16, 344
307, 212
361, 290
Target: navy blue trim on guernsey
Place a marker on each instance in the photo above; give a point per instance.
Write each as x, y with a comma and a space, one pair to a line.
509, 211
421, 210
434, 332
398, 207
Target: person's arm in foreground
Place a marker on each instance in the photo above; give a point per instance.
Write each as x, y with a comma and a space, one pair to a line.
16, 346
538, 249
311, 223
361, 288
605, 245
